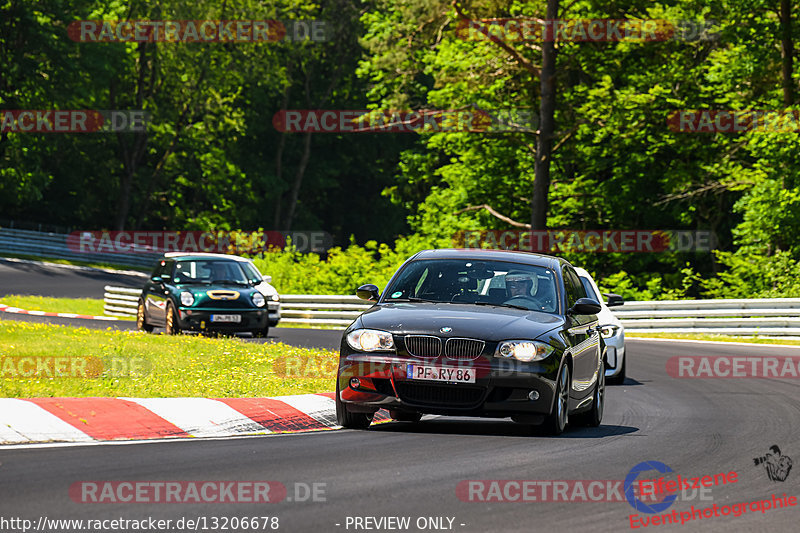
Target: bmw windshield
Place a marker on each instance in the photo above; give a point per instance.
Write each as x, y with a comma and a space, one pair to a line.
475, 282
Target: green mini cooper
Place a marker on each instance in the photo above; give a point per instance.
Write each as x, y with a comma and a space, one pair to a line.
207, 292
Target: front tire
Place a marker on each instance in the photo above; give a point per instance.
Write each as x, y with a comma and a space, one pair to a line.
171, 322
558, 419
262, 333
349, 420
594, 416
141, 319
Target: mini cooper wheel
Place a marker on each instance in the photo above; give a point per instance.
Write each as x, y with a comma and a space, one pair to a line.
171, 322
558, 419
349, 420
261, 333
141, 320
594, 416
405, 416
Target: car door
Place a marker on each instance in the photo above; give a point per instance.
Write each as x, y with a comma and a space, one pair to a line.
583, 337
158, 293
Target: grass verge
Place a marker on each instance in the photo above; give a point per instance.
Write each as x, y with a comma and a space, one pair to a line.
80, 306
138, 364
714, 337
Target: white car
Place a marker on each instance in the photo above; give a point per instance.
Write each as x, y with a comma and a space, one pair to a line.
614, 335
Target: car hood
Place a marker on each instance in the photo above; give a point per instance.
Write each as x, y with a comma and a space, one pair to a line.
266, 289
483, 322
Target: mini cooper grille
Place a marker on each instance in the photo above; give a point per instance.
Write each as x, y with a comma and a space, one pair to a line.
423, 345
457, 348
439, 395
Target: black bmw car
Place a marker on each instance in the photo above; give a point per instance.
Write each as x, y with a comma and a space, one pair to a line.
485, 333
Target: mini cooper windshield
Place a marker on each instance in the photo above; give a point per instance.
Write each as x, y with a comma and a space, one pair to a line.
209, 271
498, 283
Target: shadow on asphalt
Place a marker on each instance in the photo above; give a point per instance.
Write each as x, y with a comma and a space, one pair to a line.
495, 428
628, 382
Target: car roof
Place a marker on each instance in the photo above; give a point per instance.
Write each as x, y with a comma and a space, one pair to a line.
582, 272
202, 255
516, 256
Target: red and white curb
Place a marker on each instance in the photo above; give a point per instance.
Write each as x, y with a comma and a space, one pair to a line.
86, 420
8, 309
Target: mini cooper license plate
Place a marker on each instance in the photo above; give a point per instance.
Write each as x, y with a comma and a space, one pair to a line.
226, 318
438, 373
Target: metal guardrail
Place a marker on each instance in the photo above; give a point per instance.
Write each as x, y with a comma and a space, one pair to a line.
54, 245
120, 301
767, 316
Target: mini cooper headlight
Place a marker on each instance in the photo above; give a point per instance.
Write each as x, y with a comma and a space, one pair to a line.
258, 299
525, 351
370, 340
187, 298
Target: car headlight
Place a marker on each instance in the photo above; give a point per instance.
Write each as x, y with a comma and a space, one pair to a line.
525, 351
275, 297
187, 298
370, 340
258, 299
609, 331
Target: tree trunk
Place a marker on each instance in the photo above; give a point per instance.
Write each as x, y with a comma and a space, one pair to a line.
787, 48
544, 143
298, 181
276, 219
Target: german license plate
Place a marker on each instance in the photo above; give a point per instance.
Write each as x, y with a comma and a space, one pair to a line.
226, 318
439, 373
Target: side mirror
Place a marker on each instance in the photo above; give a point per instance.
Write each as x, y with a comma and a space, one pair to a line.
585, 306
613, 299
368, 292
267, 279
156, 279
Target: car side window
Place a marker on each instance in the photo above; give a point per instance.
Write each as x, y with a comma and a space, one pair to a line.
590, 293
573, 286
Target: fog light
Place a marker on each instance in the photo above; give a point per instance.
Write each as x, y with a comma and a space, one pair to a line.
533, 395
355, 383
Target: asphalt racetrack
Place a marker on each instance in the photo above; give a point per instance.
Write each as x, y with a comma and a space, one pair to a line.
698, 427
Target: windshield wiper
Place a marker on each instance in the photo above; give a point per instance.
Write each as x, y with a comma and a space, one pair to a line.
415, 299
228, 281
500, 305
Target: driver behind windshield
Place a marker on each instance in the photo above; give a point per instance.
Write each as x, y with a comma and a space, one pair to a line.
520, 284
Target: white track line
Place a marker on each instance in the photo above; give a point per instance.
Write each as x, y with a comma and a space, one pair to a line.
201, 417
752, 344
32, 423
